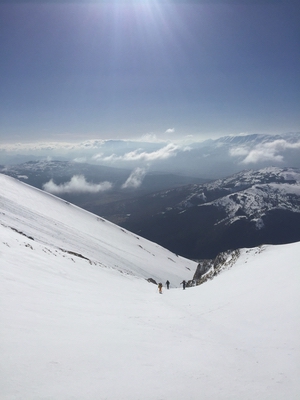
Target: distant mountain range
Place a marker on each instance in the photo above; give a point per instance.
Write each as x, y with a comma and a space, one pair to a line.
164, 187
200, 221
209, 159
231, 154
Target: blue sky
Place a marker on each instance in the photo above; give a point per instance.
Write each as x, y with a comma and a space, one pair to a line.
119, 69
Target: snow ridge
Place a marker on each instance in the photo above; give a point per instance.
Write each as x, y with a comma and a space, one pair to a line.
250, 194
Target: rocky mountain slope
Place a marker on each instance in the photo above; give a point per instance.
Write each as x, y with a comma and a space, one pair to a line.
247, 209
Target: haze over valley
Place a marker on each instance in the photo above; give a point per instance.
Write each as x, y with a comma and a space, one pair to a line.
191, 210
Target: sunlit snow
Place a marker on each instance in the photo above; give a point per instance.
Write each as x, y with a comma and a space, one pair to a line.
80, 321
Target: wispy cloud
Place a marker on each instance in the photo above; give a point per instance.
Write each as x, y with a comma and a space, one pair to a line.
239, 152
270, 152
80, 160
76, 184
170, 130
165, 152
97, 150
150, 138
135, 179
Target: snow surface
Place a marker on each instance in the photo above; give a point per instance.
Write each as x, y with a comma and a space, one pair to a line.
93, 328
55, 222
250, 194
256, 201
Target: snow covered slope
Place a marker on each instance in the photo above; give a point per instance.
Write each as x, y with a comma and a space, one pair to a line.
48, 220
258, 192
258, 185
73, 327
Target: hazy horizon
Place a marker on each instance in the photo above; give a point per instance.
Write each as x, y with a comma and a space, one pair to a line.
206, 159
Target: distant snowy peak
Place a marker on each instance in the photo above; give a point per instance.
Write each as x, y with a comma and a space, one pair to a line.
250, 194
254, 139
241, 181
251, 177
254, 202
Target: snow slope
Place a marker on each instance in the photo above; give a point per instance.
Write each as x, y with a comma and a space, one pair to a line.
253, 192
52, 221
78, 329
282, 192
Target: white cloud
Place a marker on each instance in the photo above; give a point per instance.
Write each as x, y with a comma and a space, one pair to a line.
76, 184
135, 179
238, 151
149, 137
80, 160
164, 153
97, 157
261, 155
187, 148
264, 152
97, 151
170, 130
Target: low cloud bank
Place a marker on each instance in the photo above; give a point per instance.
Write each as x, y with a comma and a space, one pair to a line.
265, 152
76, 184
135, 179
139, 155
